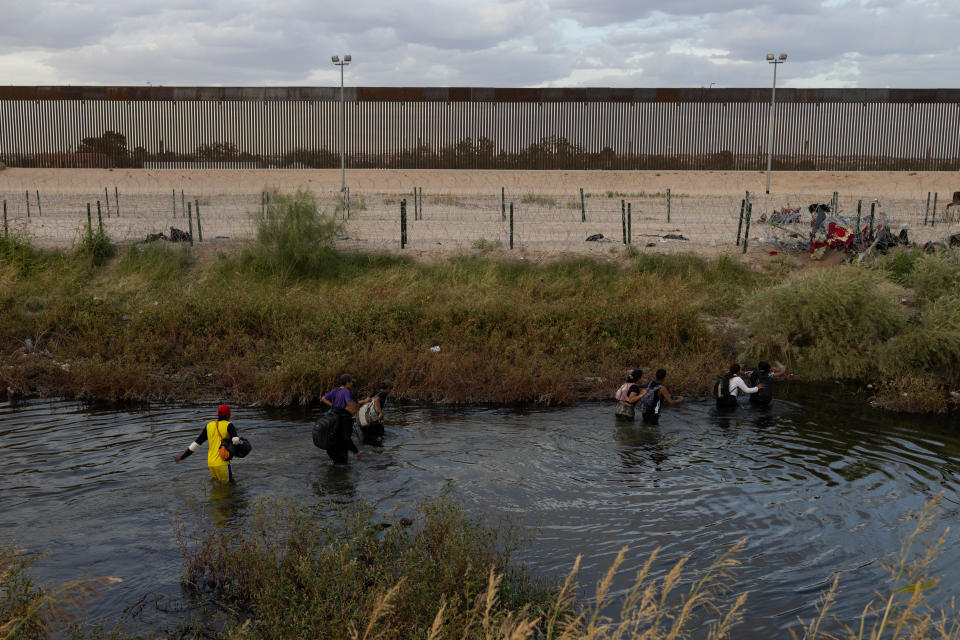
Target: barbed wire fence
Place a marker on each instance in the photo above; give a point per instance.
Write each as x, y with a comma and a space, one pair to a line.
416, 220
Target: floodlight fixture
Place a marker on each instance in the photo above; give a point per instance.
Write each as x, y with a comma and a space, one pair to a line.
773, 98
343, 123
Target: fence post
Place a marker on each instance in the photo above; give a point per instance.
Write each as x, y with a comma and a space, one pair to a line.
6, 231
743, 205
263, 203
511, 225
926, 212
503, 204
583, 207
873, 206
116, 199
28, 203
89, 223
668, 206
859, 230
746, 230
106, 196
933, 213
623, 219
629, 225
175, 203
196, 205
420, 199
183, 204
190, 222
403, 223
99, 218
39, 207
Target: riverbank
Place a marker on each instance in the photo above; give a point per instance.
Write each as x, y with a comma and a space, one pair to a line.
274, 322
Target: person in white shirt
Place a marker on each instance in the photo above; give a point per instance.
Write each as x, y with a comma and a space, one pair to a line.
734, 385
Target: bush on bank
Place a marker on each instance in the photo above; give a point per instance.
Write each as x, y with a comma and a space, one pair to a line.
278, 320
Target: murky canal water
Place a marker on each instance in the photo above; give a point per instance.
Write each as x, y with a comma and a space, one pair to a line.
819, 484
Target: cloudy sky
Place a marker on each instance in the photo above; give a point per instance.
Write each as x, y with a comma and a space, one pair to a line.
528, 43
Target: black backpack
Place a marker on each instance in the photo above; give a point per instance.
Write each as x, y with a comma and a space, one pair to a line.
721, 387
647, 403
324, 430
237, 450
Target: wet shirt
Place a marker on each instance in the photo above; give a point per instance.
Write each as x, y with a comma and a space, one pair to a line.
764, 395
339, 397
737, 385
656, 402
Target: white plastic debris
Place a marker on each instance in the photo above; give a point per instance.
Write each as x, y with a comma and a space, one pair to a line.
435, 348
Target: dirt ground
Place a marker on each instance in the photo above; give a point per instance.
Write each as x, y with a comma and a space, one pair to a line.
462, 209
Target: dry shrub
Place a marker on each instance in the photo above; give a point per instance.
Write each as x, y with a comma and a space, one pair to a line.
444, 577
929, 347
827, 324
30, 611
935, 275
909, 394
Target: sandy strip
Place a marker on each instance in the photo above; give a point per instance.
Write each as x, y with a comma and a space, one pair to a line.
462, 208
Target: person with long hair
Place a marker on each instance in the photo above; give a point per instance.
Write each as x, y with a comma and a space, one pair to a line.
731, 385
629, 394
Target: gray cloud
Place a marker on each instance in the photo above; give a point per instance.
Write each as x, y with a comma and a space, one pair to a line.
482, 42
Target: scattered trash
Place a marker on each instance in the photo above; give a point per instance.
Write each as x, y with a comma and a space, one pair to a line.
598, 237
435, 348
178, 235
674, 236
786, 215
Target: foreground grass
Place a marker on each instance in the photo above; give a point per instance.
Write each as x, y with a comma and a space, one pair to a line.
295, 573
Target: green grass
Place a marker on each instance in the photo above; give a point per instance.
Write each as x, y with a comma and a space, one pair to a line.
280, 320
277, 328
827, 325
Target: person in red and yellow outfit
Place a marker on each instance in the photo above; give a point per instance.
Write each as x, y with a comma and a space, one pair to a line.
215, 433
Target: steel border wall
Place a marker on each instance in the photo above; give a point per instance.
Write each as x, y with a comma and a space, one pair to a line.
463, 127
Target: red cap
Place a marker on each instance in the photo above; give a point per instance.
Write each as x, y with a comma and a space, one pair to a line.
223, 411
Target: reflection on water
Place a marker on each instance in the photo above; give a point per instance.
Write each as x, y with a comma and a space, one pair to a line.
818, 483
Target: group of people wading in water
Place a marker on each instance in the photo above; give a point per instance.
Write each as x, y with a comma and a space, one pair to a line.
225, 443
635, 394
648, 397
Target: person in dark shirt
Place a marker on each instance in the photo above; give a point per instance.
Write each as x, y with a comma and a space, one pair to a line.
373, 429
763, 377
345, 407
657, 394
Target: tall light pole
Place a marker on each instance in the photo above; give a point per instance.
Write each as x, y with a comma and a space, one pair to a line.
773, 99
343, 123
